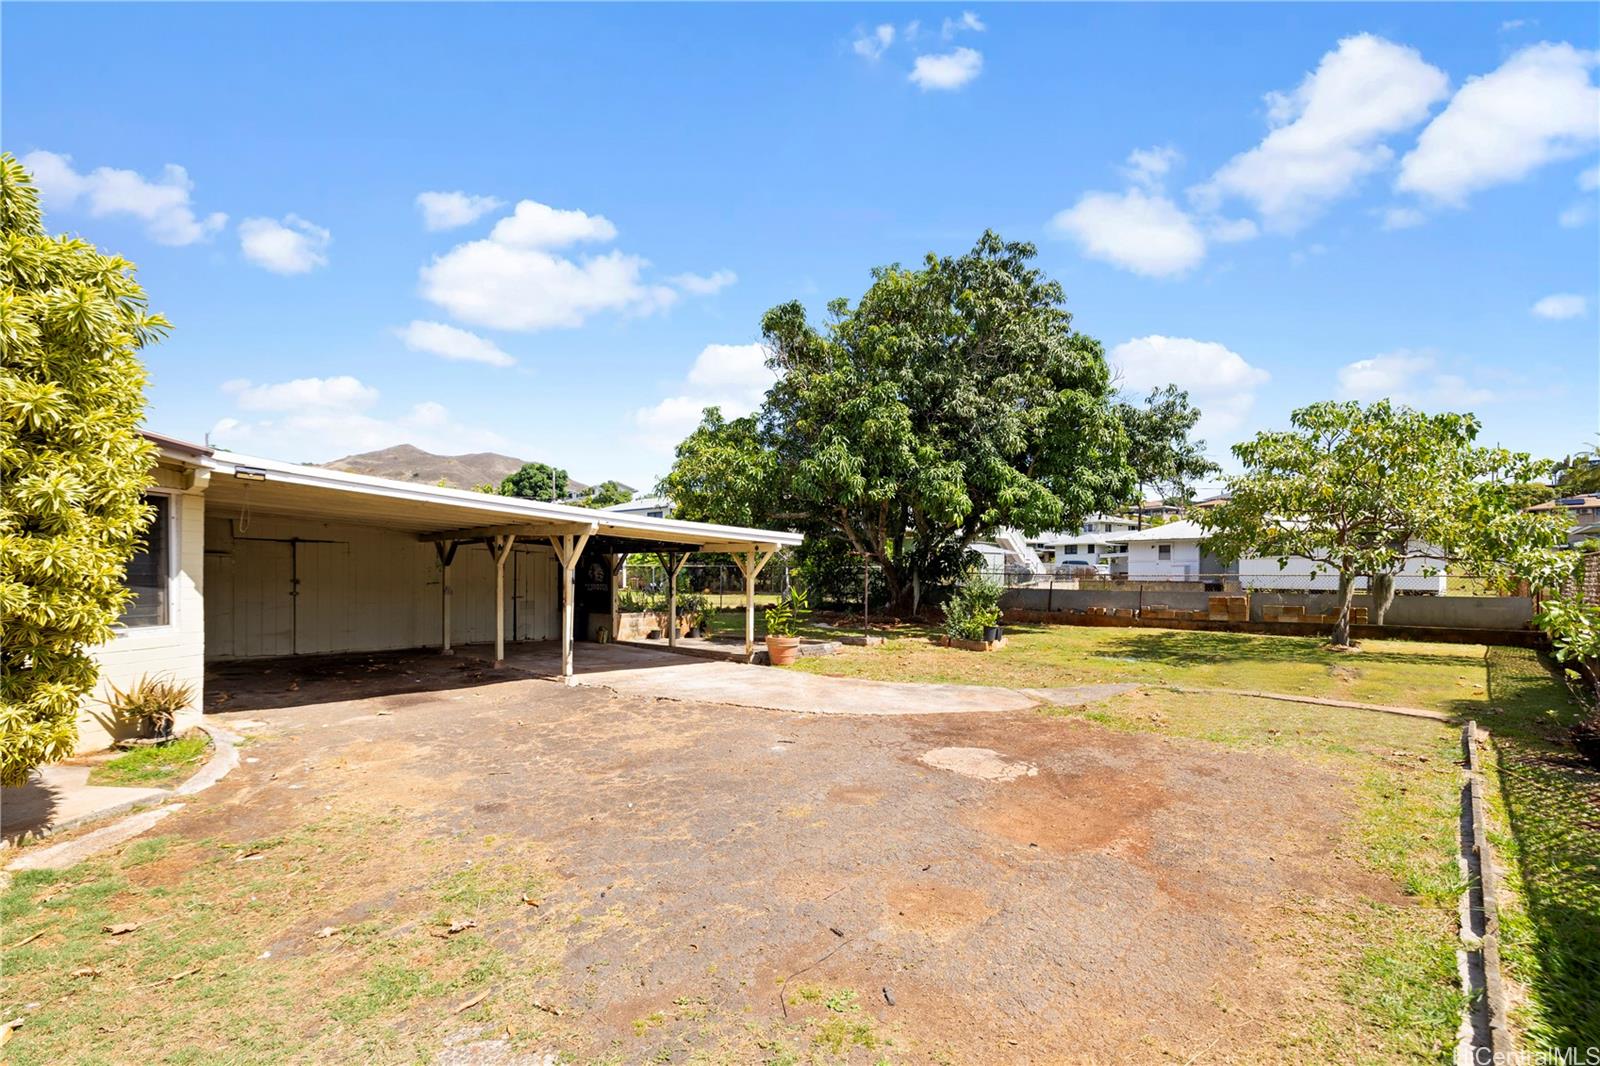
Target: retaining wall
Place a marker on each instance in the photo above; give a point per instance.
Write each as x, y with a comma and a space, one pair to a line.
1434, 612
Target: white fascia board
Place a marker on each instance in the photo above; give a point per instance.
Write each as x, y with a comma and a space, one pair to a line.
503, 507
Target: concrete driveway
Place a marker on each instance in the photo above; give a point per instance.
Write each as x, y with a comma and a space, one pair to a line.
659, 673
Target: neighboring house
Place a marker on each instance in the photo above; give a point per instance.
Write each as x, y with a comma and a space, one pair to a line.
254, 557
648, 506
1175, 552
1208, 503
1094, 542
994, 559
1584, 511
1169, 552
1306, 575
1157, 509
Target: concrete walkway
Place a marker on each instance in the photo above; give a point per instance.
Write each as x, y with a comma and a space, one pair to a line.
60, 796
663, 674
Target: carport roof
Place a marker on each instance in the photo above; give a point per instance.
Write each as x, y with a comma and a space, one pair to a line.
272, 486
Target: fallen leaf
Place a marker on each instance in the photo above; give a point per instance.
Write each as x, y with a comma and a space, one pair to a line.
547, 1008
325, 932
86, 971
529, 900
8, 1028
120, 928
247, 856
462, 925
473, 1002
40, 933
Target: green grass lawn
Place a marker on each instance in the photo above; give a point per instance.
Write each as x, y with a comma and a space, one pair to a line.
1442, 677
1546, 803
154, 767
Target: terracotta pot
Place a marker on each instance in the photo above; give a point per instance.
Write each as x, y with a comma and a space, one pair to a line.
781, 651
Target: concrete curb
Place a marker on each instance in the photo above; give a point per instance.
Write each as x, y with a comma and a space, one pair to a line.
224, 759
1480, 930
71, 852
1319, 701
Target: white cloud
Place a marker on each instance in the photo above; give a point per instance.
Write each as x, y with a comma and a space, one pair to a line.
1589, 180
514, 279
1409, 377
704, 284
1328, 133
342, 393
1220, 382
1136, 230
536, 225
1148, 167
315, 419
871, 44
1578, 214
1231, 230
293, 246
950, 70
968, 22
1539, 106
1561, 305
163, 205
490, 284
1402, 218
447, 210
448, 342
731, 376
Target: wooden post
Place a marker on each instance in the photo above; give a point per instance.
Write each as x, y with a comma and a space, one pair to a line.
500, 547
567, 549
446, 550
675, 562
751, 562
618, 561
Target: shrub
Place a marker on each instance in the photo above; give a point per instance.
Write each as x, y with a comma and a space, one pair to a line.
972, 608
784, 616
150, 703
73, 469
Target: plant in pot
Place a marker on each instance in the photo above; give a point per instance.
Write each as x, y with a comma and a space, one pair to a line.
783, 617
150, 705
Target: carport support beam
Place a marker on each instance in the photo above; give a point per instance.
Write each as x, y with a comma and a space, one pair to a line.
446, 550
567, 549
751, 562
500, 547
675, 561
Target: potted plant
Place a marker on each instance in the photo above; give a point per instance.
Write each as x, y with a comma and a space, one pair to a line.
150, 705
783, 646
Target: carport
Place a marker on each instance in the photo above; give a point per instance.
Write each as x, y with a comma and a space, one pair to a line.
307, 560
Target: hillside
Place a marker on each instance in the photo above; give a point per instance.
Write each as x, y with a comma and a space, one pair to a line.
405, 462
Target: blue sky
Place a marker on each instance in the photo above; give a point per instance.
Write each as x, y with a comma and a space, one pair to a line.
1269, 205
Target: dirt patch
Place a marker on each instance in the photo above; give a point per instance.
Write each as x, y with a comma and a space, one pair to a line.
935, 909
855, 795
1095, 809
984, 764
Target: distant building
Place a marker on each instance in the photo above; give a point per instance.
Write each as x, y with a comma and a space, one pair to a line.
644, 507
1093, 542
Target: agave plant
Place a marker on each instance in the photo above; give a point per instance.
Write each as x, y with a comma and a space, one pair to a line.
150, 703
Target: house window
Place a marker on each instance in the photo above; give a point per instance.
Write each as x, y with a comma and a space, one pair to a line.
1164, 551
1070, 549
150, 571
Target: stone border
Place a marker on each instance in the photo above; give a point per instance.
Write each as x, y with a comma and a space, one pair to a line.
1480, 907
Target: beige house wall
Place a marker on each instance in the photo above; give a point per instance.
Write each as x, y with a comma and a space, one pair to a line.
284, 585
175, 650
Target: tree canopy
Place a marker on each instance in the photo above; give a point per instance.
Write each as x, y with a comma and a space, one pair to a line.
73, 469
1578, 474
1365, 489
1160, 450
536, 481
950, 400
605, 494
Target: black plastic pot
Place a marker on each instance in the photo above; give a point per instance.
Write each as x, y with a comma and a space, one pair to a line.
1586, 738
991, 634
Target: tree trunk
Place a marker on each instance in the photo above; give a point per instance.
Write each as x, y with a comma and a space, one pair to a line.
1381, 587
1341, 626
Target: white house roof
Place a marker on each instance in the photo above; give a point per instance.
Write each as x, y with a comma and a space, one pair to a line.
273, 486
1171, 532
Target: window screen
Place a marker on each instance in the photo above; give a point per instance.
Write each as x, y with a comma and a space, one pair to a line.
149, 571
1164, 551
